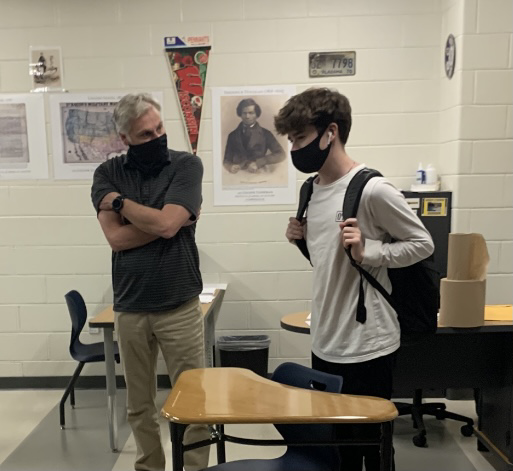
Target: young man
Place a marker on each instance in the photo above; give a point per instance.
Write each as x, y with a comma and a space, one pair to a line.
249, 146
148, 202
317, 123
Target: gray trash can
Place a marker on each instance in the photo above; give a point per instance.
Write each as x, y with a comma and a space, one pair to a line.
245, 351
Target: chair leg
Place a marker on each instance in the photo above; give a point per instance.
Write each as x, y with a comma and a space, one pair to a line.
418, 421
438, 410
419, 439
458, 417
72, 397
466, 430
69, 388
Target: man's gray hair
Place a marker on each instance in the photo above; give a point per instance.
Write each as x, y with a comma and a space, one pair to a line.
130, 108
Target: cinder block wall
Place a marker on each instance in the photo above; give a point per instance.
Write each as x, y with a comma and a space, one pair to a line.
405, 111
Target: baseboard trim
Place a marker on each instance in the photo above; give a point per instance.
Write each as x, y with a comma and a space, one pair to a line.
60, 382
98, 382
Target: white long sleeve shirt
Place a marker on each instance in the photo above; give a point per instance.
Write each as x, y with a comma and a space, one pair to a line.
383, 214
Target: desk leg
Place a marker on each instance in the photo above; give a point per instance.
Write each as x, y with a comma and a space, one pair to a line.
210, 340
386, 446
108, 339
221, 451
177, 432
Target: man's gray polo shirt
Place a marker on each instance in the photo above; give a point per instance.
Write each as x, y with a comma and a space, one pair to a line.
163, 274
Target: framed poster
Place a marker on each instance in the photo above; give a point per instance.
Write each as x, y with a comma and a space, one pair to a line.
251, 162
83, 132
23, 150
46, 68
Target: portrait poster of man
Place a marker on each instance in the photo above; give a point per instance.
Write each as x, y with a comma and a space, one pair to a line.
23, 153
251, 163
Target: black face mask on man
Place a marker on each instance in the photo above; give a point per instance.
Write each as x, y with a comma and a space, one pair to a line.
311, 158
150, 157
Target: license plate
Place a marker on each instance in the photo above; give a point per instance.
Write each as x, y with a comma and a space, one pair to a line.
332, 64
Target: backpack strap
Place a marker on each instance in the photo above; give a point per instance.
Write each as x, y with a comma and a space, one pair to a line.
361, 311
355, 189
305, 194
349, 210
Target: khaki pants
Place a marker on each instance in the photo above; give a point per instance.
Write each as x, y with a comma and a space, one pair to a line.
179, 334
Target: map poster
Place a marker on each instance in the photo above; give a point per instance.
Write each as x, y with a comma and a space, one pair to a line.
188, 59
252, 164
84, 134
23, 150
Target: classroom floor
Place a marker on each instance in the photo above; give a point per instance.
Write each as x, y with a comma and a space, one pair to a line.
31, 439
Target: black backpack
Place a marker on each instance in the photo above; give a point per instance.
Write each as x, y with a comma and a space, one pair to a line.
415, 289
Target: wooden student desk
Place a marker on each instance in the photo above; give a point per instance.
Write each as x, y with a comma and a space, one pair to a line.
105, 321
477, 357
218, 396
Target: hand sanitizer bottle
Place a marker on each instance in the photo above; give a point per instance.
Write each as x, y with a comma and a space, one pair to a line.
420, 176
431, 175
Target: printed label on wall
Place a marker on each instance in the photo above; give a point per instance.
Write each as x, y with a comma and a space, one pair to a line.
414, 204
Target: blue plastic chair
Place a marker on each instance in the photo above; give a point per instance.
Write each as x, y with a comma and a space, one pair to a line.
83, 353
303, 458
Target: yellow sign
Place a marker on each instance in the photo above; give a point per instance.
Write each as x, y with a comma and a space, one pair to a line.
434, 207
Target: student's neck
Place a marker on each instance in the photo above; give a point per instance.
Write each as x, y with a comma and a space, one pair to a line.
335, 167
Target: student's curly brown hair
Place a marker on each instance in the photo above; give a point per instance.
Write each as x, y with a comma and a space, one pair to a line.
318, 107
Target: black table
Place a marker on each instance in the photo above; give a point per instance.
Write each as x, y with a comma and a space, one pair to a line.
479, 358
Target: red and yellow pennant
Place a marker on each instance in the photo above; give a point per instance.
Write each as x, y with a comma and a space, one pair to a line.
188, 58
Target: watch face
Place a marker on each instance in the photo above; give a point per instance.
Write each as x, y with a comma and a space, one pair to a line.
117, 203
450, 56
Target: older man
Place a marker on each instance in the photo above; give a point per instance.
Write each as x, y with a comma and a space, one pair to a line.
148, 202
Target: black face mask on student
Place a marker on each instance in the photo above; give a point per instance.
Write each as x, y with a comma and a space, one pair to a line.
151, 157
311, 158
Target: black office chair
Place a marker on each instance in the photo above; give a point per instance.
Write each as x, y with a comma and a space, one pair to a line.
418, 409
304, 458
83, 353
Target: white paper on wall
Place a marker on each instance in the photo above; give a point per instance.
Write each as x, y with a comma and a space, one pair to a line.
23, 150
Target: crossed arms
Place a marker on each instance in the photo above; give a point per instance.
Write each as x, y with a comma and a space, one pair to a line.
148, 224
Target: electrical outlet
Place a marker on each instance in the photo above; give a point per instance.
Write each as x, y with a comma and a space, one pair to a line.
93, 330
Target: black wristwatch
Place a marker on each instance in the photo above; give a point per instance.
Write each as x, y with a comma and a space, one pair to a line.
117, 204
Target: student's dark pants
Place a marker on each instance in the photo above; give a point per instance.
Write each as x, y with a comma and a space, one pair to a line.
368, 378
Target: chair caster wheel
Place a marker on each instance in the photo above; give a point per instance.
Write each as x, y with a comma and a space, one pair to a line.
419, 440
467, 430
62, 427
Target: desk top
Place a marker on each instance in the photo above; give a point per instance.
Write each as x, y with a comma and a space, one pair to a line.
295, 322
106, 317
239, 396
